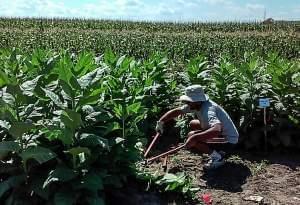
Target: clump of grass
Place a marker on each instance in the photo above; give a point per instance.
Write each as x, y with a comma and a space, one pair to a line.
255, 167
258, 167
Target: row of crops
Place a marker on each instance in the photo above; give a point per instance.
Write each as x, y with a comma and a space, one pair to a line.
147, 26
72, 126
141, 39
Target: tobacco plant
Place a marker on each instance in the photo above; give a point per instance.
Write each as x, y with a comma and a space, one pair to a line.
70, 125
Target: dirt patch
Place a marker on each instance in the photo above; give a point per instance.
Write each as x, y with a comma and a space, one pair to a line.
275, 177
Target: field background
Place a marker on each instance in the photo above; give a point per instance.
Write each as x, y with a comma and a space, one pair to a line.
179, 41
80, 99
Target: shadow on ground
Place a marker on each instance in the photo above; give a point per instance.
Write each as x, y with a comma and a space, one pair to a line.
230, 177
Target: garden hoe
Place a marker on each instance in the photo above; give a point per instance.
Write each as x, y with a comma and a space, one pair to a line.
165, 154
152, 143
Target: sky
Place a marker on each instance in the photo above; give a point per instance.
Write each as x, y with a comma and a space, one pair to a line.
155, 10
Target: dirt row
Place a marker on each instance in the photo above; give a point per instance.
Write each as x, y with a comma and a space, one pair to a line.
274, 177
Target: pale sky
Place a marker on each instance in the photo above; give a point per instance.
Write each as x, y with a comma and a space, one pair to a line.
154, 10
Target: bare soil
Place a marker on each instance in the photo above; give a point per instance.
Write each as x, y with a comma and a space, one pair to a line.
275, 177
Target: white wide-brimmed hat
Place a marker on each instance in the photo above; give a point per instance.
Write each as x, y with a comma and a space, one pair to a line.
194, 93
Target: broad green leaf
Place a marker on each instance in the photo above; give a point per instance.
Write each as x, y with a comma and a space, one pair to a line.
17, 129
118, 110
16, 91
64, 198
77, 150
11, 182
28, 86
82, 157
27, 110
91, 181
168, 177
79, 153
86, 80
53, 85
85, 63
7, 146
67, 137
64, 68
120, 60
118, 140
13, 55
163, 61
7, 113
4, 124
91, 78
32, 111
94, 91
67, 88
8, 98
40, 154
71, 119
133, 108
89, 100
55, 98
91, 140
50, 78
74, 83
60, 174
97, 116
50, 64
4, 79
109, 57
111, 127
88, 109
172, 186
51, 133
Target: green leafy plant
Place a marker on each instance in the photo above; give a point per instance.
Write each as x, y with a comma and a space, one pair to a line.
76, 122
179, 182
259, 167
71, 124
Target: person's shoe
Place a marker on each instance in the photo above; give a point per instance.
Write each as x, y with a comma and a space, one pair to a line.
215, 161
222, 153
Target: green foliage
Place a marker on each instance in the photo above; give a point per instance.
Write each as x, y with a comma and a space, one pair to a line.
259, 167
75, 121
180, 41
256, 167
12, 182
237, 86
179, 182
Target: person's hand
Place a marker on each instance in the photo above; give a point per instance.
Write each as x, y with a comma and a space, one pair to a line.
159, 127
190, 142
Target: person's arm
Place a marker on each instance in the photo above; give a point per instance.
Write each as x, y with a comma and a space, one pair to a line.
215, 125
171, 115
215, 128
166, 117
211, 132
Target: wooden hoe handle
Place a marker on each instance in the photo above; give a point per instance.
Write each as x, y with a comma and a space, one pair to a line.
152, 143
167, 153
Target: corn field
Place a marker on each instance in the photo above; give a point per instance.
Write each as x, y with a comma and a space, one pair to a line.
141, 39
